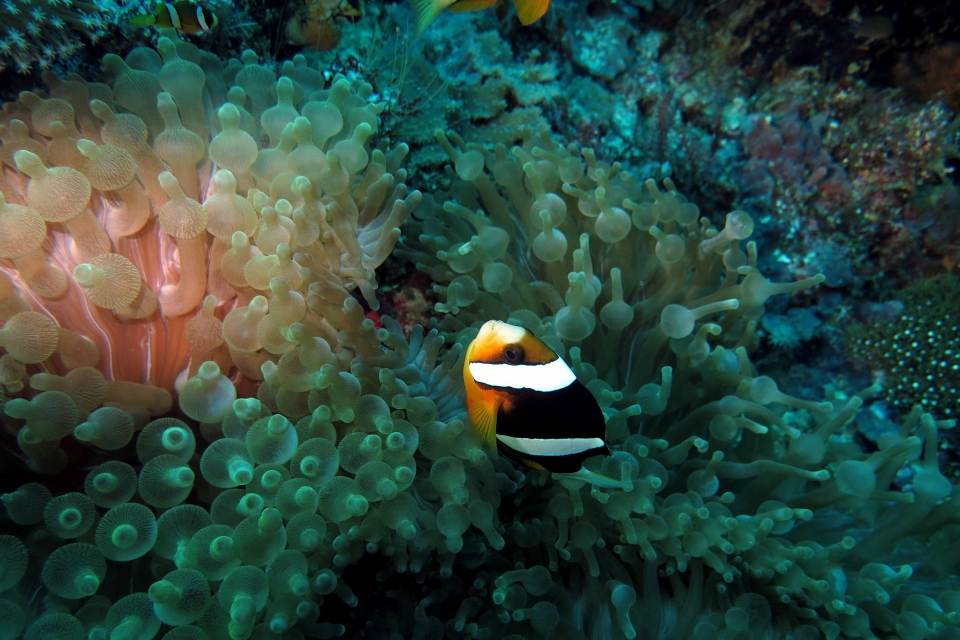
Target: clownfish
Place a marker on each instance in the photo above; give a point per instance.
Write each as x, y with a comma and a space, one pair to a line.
426, 11
185, 17
524, 400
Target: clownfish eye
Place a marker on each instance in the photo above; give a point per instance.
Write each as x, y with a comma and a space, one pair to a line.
513, 353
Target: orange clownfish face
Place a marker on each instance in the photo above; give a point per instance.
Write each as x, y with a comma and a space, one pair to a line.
523, 399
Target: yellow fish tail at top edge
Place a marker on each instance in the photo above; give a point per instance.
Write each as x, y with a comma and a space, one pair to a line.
529, 11
425, 12
472, 5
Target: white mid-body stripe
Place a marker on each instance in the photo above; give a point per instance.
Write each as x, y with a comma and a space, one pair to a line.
551, 376
201, 20
550, 446
174, 16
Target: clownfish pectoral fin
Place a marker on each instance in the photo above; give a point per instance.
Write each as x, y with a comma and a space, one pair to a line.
472, 5
425, 12
592, 477
483, 415
529, 11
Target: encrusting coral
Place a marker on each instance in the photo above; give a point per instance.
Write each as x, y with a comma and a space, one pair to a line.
461, 75
916, 350
348, 497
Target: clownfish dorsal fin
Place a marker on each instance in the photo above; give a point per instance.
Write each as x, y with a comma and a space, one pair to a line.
483, 415
591, 477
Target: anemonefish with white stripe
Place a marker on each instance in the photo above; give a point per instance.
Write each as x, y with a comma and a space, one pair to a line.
524, 400
185, 17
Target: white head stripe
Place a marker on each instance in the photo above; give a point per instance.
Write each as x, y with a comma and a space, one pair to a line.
508, 332
551, 446
551, 376
201, 19
174, 16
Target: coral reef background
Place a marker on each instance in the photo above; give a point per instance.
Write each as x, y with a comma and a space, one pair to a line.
238, 273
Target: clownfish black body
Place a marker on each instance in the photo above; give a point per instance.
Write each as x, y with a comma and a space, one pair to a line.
524, 400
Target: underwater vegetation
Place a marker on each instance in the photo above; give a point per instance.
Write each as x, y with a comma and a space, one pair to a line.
431, 83
210, 431
44, 33
833, 168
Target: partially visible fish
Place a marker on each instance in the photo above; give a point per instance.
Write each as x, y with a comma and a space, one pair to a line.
185, 17
524, 400
873, 28
426, 11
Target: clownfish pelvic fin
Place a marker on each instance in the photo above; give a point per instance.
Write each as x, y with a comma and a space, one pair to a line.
591, 477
